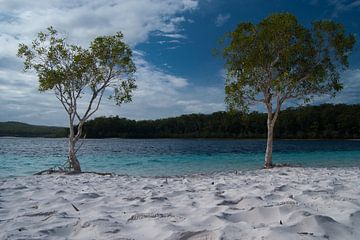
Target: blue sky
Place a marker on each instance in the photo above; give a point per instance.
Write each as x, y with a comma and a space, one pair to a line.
172, 41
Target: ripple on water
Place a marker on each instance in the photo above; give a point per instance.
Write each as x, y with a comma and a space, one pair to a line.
23, 156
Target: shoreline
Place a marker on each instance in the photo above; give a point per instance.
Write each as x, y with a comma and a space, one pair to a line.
190, 138
280, 203
186, 175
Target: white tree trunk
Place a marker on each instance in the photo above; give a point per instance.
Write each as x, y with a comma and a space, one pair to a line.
73, 161
269, 144
271, 119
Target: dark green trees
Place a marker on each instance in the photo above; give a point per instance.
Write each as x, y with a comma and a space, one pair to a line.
70, 71
279, 59
325, 121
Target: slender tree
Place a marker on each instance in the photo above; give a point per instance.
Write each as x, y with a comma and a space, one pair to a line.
279, 59
80, 77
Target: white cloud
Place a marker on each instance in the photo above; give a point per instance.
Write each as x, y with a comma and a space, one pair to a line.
159, 93
175, 41
339, 6
345, 5
207, 100
172, 35
222, 19
83, 20
350, 92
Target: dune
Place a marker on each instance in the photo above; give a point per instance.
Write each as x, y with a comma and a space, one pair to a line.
283, 203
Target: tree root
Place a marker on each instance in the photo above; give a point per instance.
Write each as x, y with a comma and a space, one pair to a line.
67, 172
50, 171
280, 165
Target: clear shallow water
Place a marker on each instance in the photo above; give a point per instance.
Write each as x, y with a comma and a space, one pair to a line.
149, 157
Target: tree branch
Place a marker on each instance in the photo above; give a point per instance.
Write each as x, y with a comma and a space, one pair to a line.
252, 98
61, 98
97, 105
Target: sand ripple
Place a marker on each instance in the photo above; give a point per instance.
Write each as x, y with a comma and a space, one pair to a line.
286, 203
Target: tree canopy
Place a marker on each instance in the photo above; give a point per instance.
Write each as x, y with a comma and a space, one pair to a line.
71, 70
280, 59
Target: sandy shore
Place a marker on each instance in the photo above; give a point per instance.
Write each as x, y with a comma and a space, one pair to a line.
286, 203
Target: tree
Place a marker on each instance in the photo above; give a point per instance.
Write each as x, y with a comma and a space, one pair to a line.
80, 77
279, 59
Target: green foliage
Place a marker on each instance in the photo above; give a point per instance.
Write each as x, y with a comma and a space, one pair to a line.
324, 121
280, 59
69, 69
112, 54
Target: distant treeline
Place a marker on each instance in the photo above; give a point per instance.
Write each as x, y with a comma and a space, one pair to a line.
17, 129
310, 122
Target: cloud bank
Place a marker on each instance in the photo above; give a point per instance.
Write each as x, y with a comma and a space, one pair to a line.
159, 93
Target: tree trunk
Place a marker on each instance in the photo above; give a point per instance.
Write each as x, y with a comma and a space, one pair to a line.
269, 142
73, 161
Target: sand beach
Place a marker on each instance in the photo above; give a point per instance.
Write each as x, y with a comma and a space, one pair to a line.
282, 203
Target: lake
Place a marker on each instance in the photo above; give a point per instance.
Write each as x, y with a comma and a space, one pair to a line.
167, 157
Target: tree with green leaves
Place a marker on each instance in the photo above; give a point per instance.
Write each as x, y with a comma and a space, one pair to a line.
279, 59
80, 77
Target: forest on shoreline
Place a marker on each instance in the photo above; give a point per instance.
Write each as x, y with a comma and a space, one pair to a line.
325, 121
18, 129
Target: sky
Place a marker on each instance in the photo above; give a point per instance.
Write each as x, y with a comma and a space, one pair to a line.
172, 41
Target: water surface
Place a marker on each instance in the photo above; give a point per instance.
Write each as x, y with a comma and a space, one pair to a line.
160, 157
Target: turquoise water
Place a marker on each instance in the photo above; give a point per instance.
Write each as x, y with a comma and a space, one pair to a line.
164, 157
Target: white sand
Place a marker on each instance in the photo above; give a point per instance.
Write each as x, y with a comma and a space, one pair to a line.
310, 203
